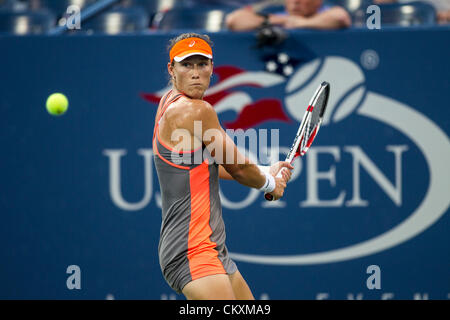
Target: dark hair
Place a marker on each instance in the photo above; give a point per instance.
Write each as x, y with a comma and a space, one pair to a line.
183, 36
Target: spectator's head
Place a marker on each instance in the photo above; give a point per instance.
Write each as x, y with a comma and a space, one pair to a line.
303, 8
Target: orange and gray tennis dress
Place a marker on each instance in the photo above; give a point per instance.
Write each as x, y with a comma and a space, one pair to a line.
192, 239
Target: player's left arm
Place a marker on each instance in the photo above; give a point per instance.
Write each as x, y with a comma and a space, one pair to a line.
333, 18
223, 174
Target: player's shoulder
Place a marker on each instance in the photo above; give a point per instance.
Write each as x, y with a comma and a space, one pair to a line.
197, 108
198, 104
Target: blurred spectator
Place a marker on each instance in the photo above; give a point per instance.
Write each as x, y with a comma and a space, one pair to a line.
309, 14
13, 4
442, 7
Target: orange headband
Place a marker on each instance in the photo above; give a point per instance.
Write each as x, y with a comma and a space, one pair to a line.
189, 47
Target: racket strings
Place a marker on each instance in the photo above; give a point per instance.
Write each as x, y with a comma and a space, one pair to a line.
307, 135
311, 125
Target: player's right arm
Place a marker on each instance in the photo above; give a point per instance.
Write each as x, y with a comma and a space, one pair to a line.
226, 153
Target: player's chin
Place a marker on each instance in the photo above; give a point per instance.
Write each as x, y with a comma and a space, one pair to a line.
196, 92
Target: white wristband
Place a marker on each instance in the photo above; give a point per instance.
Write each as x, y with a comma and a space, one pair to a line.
264, 169
269, 185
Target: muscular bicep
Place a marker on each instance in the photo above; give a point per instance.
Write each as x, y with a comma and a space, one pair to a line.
220, 146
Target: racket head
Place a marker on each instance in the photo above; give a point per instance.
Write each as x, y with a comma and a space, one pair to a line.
310, 125
315, 113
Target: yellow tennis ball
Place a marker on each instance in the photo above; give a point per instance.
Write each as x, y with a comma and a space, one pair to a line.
57, 104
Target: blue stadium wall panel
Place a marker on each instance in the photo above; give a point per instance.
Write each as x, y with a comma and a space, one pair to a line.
365, 215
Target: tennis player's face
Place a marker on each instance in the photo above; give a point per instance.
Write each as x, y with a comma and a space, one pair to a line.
192, 75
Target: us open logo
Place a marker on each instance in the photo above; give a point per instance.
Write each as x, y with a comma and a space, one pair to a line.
377, 162
387, 135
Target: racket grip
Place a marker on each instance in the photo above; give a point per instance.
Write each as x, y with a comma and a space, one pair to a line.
268, 196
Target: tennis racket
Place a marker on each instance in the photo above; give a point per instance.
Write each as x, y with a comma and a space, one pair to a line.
310, 125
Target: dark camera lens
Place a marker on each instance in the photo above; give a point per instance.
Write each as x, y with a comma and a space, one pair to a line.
270, 36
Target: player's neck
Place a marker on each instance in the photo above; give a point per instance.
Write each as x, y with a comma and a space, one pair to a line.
176, 91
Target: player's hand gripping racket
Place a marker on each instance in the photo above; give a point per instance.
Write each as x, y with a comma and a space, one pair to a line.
309, 126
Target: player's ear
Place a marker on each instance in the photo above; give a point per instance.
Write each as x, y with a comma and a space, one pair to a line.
170, 69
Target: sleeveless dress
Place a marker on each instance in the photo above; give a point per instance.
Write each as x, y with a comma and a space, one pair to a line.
192, 236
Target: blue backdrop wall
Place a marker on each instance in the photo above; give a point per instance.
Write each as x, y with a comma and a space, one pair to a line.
374, 190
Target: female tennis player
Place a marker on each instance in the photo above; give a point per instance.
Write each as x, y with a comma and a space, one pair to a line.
192, 253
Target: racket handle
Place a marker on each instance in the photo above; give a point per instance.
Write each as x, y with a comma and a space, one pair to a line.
268, 196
